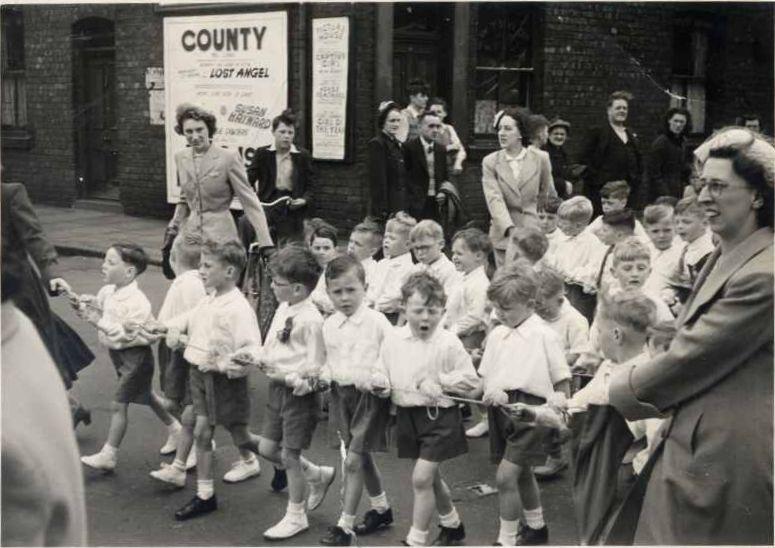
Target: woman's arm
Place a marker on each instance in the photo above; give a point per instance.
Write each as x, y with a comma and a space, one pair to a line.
238, 178
460, 156
27, 226
494, 197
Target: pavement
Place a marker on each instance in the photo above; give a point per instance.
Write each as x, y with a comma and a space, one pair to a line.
89, 233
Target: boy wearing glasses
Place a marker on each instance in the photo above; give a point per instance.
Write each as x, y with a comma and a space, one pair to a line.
427, 241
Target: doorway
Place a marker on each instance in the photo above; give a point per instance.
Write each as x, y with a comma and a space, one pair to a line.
94, 94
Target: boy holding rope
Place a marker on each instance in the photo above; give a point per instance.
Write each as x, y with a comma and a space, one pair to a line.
540, 373
353, 336
419, 362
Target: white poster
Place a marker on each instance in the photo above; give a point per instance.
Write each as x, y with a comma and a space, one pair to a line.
330, 65
235, 66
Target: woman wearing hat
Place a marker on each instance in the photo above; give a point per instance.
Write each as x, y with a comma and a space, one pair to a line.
514, 179
386, 169
710, 479
558, 135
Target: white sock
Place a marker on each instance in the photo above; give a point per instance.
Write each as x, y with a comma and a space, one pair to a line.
109, 450
250, 460
417, 537
179, 465
205, 489
534, 518
346, 521
174, 427
507, 535
380, 503
451, 520
295, 508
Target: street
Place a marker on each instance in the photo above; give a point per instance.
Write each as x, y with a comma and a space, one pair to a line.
130, 508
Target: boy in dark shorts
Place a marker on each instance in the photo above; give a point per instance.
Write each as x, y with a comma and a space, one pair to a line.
293, 358
523, 362
222, 325
353, 337
118, 311
419, 362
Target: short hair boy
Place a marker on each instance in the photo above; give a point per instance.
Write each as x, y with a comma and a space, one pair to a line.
322, 243
426, 240
418, 364
613, 195
526, 242
365, 241
665, 246
692, 226
517, 447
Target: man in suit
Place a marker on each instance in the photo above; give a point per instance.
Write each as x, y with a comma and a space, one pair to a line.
426, 169
611, 153
282, 170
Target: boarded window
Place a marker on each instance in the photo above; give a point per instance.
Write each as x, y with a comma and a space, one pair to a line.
14, 91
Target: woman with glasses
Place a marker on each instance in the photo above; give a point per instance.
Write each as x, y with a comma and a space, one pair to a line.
710, 479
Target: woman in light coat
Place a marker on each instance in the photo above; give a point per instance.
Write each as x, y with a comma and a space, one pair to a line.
710, 479
514, 179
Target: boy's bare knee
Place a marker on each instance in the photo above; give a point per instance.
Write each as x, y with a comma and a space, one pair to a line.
353, 463
203, 433
290, 457
422, 479
267, 448
506, 478
187, 418
118, 407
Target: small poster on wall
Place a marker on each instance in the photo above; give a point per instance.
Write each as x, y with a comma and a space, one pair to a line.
235, 66
330, 72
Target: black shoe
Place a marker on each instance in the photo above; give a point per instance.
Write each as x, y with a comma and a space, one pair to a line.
81, 415
465, 412
196, 507
336, 537
279, 481
373, 521
527, 536
450, 537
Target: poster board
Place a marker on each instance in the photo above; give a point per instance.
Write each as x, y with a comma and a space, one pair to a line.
233, 65
330, 89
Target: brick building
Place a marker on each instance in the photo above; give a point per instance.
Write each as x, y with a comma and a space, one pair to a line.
75, 108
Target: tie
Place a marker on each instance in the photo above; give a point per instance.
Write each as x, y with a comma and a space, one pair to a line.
599, 279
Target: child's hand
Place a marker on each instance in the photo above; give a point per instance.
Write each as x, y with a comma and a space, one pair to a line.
234, 370
557, 400
175, 339
246, 358
155, 327
522, 412
431, 389
206, 368
476, 355
378, 384
302, 387
90, 314
59, 286
495, 397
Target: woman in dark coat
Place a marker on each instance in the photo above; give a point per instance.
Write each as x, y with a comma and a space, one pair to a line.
710, 480
667, 170
23, 243
386, 169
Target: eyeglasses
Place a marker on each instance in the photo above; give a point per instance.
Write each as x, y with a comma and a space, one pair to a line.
717, 189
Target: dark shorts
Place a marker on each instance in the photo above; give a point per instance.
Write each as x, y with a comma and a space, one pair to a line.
134, 367
290, 420
222, 400
434, 440
360, 417
515, 441
173, 375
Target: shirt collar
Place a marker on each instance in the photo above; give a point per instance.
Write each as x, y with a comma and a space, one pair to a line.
227, 297
340, 319
519, 157
125, 292
405, 333
478, 271
401, 259
425, 143
300, 306
293, 150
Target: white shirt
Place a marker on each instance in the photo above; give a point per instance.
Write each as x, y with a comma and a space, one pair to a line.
621, 132
320, 297
571, 327
407, 360
698, 249
554, 238
218, 326
528, 358
467, 307
663, 264
639, 231
369, 266
430, 161
284, 167
573, 255
353, 345
515, 162
183, 294
444, 271
123, 310
303, 351
388, 277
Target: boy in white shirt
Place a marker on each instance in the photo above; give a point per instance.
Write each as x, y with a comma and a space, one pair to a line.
692, 226
219, 327
119, 311
293, 358
384, 294
527, 242
613, 197
365, 241
418, 364
468, 311
540, 371
322, 243
547, 221
665, 246
575, 249
427, 243
353, 336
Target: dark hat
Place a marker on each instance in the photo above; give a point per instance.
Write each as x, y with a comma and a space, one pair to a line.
559, 122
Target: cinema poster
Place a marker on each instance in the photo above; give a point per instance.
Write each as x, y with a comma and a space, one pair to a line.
235, 66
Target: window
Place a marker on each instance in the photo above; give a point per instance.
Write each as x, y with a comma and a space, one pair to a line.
14, 93
690, 63
504, 60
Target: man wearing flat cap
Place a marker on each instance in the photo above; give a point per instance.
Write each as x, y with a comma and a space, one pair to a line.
555, 146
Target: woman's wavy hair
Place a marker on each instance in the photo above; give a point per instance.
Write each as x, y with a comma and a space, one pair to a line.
384, 109
672, 112
187, 111
522, 116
